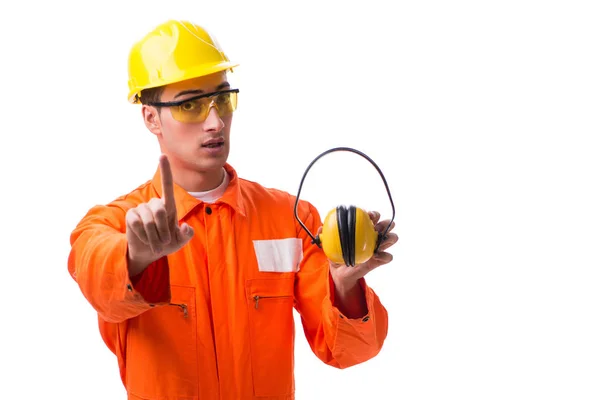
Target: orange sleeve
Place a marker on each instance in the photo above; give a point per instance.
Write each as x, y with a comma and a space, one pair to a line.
98, 263
337, 340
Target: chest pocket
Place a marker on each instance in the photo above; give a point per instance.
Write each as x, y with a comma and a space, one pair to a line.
270, 303
278, 255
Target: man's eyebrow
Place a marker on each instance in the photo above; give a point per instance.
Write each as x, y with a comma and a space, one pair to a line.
184, 92
222, 86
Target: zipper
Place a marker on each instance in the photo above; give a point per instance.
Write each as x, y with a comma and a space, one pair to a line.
257, 298
183, 308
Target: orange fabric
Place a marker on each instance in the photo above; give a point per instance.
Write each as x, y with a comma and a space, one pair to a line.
189, 327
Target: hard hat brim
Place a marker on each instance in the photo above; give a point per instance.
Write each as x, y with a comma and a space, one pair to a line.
200, 70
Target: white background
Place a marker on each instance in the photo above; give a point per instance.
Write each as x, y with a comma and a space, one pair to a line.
484, 117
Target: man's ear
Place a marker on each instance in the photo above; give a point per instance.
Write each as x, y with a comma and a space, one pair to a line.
152, 119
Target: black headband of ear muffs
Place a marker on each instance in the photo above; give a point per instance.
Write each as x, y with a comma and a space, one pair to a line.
349, 220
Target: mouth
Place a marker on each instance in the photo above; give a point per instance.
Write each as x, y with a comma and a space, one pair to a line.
214, 143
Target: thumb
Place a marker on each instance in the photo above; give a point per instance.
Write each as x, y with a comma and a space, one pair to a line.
184, 234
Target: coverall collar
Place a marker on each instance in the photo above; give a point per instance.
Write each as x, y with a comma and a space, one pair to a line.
186, 202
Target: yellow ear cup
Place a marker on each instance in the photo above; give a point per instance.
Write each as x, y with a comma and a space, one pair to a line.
365, 238
330, 238
357, 225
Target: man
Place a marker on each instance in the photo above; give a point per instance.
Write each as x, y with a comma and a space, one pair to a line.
195, 274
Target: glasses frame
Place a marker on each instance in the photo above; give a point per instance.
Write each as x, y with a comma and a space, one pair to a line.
200, 96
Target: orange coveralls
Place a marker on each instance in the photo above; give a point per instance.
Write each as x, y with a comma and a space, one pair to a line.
214, 320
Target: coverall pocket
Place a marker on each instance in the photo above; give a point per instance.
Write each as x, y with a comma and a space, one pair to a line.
270, 308
162, 343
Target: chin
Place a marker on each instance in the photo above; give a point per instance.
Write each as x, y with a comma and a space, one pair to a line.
211, 163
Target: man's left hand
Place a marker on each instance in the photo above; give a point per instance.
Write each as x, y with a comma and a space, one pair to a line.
347, 277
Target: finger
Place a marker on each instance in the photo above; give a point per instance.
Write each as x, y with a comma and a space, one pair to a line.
382, 225
168, 191
392, 239
135, 225
183, 234
383, 257
150, 227
378, 260
374, 215
160, 218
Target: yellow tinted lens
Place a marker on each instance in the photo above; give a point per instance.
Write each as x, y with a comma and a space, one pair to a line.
226, 103
196, 110
191, 111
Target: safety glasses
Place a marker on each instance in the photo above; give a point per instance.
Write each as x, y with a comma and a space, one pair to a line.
195, 109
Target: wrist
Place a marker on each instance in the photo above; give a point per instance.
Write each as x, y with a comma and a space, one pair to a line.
136, 266
349, 298
345, 287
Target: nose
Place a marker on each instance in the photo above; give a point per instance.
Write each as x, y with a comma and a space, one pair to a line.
213, 122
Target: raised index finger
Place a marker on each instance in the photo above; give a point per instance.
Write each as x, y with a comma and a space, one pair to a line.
168, 193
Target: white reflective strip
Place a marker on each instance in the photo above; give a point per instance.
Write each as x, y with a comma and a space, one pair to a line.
278, 255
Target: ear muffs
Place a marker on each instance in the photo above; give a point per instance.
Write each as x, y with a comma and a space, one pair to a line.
348, 235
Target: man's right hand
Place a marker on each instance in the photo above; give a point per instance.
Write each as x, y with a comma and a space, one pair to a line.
153, 229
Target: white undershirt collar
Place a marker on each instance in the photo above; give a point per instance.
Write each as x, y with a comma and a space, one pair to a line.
210, 196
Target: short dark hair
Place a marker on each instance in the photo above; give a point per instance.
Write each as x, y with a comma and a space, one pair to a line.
151, 95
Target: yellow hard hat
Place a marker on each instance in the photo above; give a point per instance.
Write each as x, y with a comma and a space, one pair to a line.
174, 51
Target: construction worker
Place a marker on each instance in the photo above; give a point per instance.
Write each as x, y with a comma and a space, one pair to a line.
195, 274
